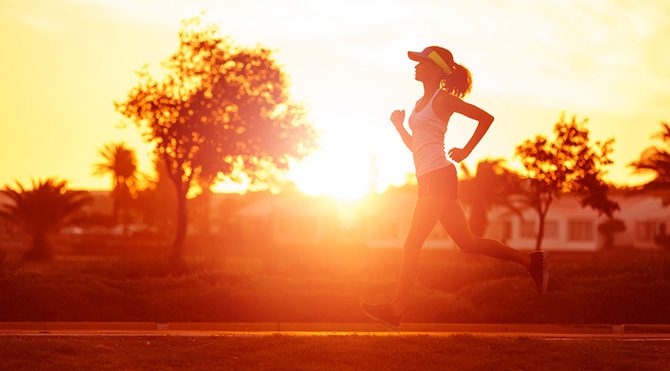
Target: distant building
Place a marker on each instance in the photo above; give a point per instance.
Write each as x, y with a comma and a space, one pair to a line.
294, 219
642, 216
568, 226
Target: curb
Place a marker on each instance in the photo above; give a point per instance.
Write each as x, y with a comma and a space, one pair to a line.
338, 327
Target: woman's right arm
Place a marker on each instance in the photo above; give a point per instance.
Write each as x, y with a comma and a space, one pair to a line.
398, 118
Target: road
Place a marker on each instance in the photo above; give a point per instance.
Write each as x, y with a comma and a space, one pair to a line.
629, 332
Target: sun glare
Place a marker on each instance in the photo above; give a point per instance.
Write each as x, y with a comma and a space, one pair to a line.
578, 59
323, 173
328, 174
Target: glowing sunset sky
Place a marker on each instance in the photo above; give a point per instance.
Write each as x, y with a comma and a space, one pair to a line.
65, 62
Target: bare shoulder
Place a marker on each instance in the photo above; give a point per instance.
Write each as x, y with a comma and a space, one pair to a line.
447, 104
445, 98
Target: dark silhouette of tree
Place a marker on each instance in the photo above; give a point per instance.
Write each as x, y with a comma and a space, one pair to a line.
42, 211
657, 159
492, 185
570, 163
120, 163
157, 199
229, 102
609, 228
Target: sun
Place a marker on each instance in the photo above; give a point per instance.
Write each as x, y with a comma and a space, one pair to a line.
329, 174
347, 178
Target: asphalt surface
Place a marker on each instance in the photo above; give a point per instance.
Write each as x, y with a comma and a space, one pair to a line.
631, 332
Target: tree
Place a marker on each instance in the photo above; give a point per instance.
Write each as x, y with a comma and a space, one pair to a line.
229, 102
120, 162
609, 228
157, 199
42, 210
657, 160
492, 185
570, 163
206, 159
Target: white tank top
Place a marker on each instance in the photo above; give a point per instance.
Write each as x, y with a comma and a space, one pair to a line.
428, 139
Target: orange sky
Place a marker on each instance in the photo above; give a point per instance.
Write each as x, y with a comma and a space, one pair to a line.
64, 64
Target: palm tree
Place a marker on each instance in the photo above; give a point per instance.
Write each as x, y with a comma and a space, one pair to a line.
492, 185
655, 159
42, 210
120, 162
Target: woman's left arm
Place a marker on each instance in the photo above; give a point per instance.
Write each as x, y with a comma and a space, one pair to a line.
483, 118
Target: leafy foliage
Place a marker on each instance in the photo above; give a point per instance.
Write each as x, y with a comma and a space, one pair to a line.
568, 163
218, 98
657, 159
42, 210
220, 109
605, 287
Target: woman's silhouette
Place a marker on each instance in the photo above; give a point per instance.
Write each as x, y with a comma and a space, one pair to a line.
444, 84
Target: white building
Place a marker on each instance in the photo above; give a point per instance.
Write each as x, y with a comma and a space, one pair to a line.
568, 226
642, 216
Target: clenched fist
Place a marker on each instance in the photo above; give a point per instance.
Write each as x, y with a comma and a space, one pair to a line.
398, 118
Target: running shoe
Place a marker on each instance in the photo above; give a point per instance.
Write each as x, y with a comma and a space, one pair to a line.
539, 271
382, 313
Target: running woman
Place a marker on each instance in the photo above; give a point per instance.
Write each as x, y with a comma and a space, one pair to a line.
445, 83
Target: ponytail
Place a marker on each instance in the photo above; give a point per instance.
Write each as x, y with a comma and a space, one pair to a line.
459, 82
